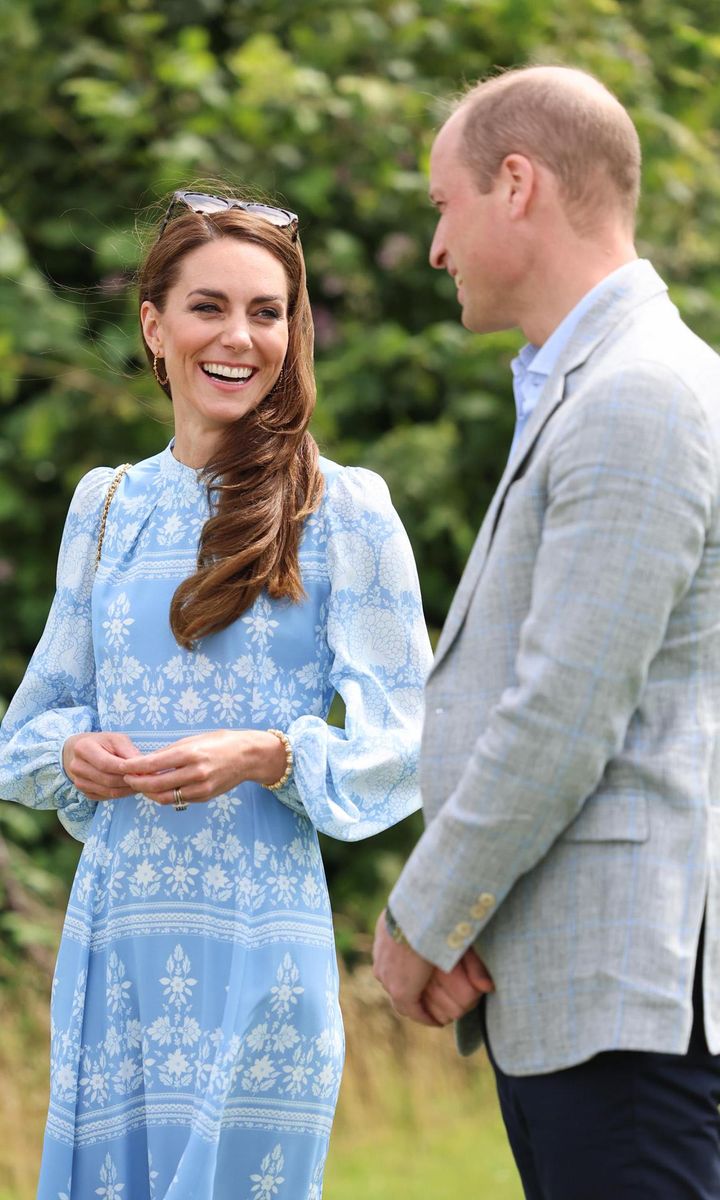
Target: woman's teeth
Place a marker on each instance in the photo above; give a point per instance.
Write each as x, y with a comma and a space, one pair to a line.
220, 371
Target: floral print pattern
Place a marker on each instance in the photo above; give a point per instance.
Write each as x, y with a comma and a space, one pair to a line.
196, 1033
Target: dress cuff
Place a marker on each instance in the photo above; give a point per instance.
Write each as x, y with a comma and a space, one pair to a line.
289, 795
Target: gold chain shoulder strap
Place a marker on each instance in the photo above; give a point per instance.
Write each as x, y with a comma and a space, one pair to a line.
106, 508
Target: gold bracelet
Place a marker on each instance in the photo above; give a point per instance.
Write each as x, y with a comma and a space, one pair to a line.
274, 787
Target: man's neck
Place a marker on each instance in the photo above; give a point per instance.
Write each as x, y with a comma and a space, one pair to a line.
562, 283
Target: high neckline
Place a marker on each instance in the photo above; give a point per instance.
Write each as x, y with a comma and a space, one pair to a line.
171, 467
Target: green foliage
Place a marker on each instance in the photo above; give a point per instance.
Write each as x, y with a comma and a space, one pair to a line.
329, 106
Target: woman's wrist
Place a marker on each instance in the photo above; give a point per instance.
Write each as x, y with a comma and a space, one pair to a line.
269, 758
284, 741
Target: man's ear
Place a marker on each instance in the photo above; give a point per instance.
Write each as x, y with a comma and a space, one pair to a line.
518, 176
150, 323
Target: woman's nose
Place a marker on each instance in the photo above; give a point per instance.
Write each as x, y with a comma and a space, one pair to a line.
236, 334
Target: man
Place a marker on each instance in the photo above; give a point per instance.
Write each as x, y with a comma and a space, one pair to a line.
570, 764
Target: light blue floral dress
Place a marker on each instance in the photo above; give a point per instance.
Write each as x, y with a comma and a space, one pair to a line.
197, 1042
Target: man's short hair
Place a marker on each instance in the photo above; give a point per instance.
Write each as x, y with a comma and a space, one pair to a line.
568, 121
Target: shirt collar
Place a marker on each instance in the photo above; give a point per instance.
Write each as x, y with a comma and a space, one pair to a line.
541, 360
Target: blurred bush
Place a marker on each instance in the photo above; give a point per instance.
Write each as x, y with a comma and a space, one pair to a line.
329, 106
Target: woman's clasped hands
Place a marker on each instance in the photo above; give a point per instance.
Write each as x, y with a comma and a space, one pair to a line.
107, 766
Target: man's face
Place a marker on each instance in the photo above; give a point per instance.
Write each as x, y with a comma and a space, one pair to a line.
474, 239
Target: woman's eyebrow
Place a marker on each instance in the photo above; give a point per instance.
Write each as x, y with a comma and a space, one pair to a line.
207, 292
216, 295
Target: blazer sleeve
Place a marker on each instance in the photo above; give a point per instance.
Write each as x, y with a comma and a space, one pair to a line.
355, 781
57, 695
631, 490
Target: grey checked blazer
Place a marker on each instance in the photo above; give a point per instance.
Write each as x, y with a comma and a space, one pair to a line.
571, 758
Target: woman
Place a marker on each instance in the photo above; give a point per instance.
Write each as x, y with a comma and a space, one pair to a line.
174, 714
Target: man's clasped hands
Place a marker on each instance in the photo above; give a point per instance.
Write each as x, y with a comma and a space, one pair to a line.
420, 990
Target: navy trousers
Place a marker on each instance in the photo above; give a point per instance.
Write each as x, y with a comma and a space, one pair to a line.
626, 1125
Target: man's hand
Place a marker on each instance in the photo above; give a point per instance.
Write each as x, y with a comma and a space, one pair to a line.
403, 974
451, 994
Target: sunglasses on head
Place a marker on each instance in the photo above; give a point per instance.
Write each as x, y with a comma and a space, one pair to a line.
200, 202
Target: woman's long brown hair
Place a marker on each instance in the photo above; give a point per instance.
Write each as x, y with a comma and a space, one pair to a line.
264, 478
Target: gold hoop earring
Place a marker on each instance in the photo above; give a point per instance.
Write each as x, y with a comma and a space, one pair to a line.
156, 373
278, 382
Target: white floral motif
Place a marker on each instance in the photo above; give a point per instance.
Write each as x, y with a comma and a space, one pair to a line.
109, 1178
261, 1074
117, 987
128, 1076
94, 1080
120, 708
113, 1043
216, 883
64, 1080
379, 638
315, 1192
162, 1031
223, 807
260, 622
287, 701
119, 621
308, 676
298, 1072
266, 1184
310, 891
133, 1033
227, 699
284, 1037
157, 839
282, 881
125, 536
191, 708
180, 874
175, 669
171, 530
178, 983
153, 702
145, 880
176, 1070
125, 670
285, 994
358, 558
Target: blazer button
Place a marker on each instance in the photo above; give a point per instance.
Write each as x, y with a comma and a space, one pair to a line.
482, 906
459, 935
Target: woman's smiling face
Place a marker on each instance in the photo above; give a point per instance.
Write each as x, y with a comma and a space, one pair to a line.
223, 334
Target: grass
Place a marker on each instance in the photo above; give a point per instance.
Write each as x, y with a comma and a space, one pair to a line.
456, 1151
414, 1122
24, 1054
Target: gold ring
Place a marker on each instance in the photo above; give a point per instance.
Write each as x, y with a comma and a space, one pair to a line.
179, 804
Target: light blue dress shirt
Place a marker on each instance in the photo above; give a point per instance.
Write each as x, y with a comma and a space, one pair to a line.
534, 365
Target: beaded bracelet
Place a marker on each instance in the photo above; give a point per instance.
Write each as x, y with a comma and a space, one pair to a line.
274, 787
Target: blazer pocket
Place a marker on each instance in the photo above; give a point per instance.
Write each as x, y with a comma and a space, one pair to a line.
611, 817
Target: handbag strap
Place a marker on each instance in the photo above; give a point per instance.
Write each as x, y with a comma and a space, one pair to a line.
106, 508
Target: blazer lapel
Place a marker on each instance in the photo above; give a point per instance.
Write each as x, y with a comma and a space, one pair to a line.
550, 397
637, 285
